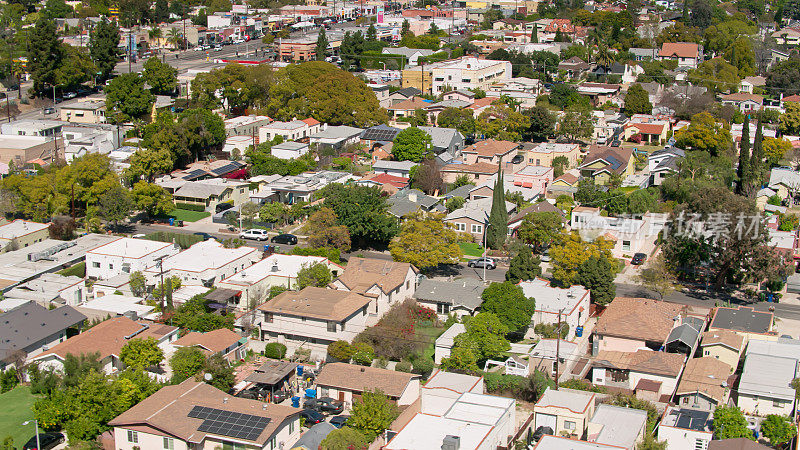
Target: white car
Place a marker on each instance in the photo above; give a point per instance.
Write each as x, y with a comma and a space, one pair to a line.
256, 234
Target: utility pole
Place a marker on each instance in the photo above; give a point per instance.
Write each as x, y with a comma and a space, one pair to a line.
160, 261
130, 49
558, 343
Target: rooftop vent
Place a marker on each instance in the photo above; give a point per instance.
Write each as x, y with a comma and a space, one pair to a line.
451, 442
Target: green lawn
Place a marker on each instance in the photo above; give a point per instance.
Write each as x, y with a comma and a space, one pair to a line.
188, 216
471, 249
16, 408
78, 270
428, 334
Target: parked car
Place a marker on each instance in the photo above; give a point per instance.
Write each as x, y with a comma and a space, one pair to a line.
325, 404
203, 235
482, 262
339, 421
541, 431
217, 48
258, 235
49, 110
46, 440
288, 239
616, 143
517, 159
311, 417
223, 207
248, 394
639, 259
70, 95
280, 395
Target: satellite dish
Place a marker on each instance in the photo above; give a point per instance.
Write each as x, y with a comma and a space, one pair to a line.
207, 377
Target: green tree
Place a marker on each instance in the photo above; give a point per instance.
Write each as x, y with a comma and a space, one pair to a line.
650, 443
543, 123
7, 444
741, 56
186, 362
637, 101
127, 99
323, 231
744, 182
715, 74
195, 315
461, 119
341, 350
316, 274
104, 47
54, 9
138, 283
502, 122
426, 241
559, 165
162, 78
344, 438
45, 54
363, 210
222, 376
146, 163
273, 212
141, 353
523, 266
775, 150
658, 277
412, 144
115, 205
497, 227
597, 274
152, 198
509, 303
540, 229
484, 337
454, 203
790, 119
756, 165
784, 76
729, 423
322, 44
704, 133
462, 359
571, 252
372, 414
576, 124
778, 429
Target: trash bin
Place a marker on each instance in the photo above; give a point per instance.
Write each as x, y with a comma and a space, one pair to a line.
578, 331
296, 401
299, 371
171, 221
311, 393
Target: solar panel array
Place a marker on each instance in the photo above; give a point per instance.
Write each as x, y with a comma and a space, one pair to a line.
196, 173
692, 419
230, 167
379, 135
229, 423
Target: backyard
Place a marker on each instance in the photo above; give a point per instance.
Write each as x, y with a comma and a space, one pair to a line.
15, 410
78, 270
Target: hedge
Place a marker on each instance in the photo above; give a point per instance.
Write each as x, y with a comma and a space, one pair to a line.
190, 207
333, 254
275, 350
183, 240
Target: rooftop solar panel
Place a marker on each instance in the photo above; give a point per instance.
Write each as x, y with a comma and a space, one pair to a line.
194, 174
229, 423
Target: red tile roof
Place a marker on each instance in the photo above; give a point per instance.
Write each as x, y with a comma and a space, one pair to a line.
491, 148
647, 128
679, 49
385, 178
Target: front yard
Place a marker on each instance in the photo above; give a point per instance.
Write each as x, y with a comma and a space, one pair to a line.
187, 215
16, 408
471, 249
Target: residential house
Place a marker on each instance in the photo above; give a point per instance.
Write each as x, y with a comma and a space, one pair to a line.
704, 384
548, 442
460, 94
203, 264
617, 426
724, 345
378, 136
434, 109
476, 173
298, 188
395, 168
490, 151
388, 184
409, 201
222, 341
245, 125
204, 170
50, 289
574, 67
601, 163
30, 329
348, 382
744, 321
408, 108
628, 235
20, 233
387, 282
644, 54
207, 193
687, 54
444, 388
543, 154
195, 414
107, 339
32, 127
445, 342
458, 297
627, 73
126, 255
84, 111
686, 429
289, 150
746, 103
411, 55
542, 357
564, 411
736, 444
630, 324
473, 216
21, 150
530, 181
784, 181
314, 317
789, 36
255, 282
684, 338
337, 137
381, 92
663, 163
651, 375
600, 93
542, 206
566, 184
290, 131
572, 303
652, 132
404, 93
446, 143
765, 385
749, 84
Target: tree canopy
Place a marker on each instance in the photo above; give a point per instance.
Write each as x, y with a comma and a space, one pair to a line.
363, 210
127, 99
412, 144
426, 241
508, 302
141, 353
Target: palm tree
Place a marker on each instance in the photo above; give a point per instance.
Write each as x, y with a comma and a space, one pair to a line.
18, 71
154, 34
604, 58
174, 37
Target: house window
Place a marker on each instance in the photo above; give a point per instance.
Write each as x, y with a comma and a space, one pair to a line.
331, 327
569, 425
133, 437
291, 424
408, 284
110, 266
227, 445
96, 265
476, 228
700, 444
268, 317
461, 226
626, 246
443, 308
169, 443
706, 353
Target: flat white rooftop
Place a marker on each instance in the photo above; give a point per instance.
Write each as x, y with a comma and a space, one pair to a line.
426, 432
560, 443
118, 304
552, 299
21, 142
453, 381
131, 248
19, 228
567, 399
274, 265
202, 256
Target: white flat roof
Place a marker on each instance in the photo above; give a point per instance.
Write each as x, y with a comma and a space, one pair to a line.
16, 266
20, 228
131, 248
453, 381
621, 426
446, 339
11, 303
551, 299
560, 443
277, 265
202, 256
426, 432
21, 142
479, 408
568, 399
118, 304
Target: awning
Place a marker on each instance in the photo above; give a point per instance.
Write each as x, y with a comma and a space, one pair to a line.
272, 372
221, 295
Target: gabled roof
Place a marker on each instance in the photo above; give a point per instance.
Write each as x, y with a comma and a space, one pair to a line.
705, 375
407, 92
30, 323
465, 292
615, 158
318, 303
213, 341
361, 274
477, 210
410, 104
491, 148
639, 318
645, 361
483, 168
742, 97
361, 378
679, 49
543, 206
743, 319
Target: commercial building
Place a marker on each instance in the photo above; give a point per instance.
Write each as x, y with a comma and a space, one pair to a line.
22, 233
203, 264
126, 255
20, 150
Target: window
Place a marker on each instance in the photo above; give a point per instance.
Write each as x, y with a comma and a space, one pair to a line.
408, 284
110, 266
461, 226
626, 246
271, 443
777, 403
268, 317
443, 308
133, 437
700, 444
169, 443
569, 425
291, 424
96, 265
538, 162
226, 445
476, 228
706, 353
331, 327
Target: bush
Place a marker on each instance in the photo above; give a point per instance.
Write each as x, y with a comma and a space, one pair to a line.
582, 385
393, 337
190, 207
381, 362
363, 354
423, 366
403, 366
275, 350
548, 330
8, 380
332, 254
522, 388
341, 350
183, 240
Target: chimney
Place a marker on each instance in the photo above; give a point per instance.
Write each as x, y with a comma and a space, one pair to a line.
412, 197
224, 399
451, 442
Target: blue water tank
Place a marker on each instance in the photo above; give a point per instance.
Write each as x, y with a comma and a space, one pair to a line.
296, 401
578, 331
171, 221
311, 393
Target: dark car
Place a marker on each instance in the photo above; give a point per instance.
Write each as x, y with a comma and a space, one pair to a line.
203, 235
541, 431
325, 404
223, 207
516, 159
311, 417
288, 239
339, 421
616, 143
248, 394
638, 259
281, 395
46, 440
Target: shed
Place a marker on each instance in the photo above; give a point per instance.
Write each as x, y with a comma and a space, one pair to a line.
272, 374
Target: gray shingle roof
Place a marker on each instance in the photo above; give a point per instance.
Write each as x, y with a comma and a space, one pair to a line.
466, 292
28, 324
442, 137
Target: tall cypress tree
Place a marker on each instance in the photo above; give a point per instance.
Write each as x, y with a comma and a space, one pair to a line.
743, 171
322, 44
498, 218
757, 158
535, 35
